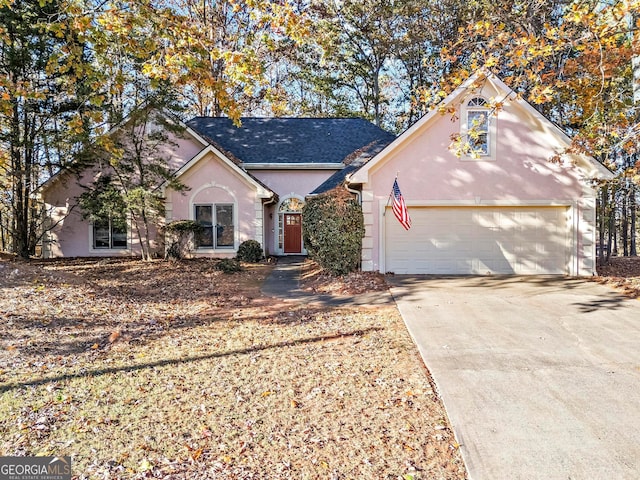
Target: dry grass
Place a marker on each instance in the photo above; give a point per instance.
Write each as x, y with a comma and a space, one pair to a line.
174, 370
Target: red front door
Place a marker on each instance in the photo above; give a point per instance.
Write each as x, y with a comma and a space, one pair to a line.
292, 233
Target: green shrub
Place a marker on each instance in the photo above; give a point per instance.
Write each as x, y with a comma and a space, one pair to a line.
250, 251
333, 227
180, 234
228, 265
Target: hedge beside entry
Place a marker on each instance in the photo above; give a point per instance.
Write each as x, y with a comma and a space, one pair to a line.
333, 228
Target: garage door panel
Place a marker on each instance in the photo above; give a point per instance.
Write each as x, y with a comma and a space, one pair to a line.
479, 240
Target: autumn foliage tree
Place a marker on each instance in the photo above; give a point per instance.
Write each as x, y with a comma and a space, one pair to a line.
368, 57
71, 70
46, 85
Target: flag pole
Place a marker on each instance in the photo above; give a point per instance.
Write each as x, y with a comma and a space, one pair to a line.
384, 212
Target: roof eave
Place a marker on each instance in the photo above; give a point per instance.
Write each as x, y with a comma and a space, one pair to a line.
361, 175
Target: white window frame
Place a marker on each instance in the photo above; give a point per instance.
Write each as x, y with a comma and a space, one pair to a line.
279, 228
478, 104
214, 213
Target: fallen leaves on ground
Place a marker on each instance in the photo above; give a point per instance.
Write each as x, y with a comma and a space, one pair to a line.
622, 273
176, 370
314, 279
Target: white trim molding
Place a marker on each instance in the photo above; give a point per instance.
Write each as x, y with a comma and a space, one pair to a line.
236, 227
577, 265
128, 250
276, 226
293, 166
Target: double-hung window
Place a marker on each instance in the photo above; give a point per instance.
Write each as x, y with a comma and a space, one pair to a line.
110, 233
217, 223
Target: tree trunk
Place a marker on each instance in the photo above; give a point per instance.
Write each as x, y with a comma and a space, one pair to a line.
612, 223
376, 97
3, 245
134, 224
602, 202
632, 226
146, 242
624, 226
19, 230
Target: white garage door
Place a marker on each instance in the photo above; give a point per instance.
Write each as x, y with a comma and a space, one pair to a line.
479, 241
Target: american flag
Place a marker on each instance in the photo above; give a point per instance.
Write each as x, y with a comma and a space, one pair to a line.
399, 207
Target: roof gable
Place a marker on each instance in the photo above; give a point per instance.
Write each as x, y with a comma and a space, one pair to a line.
290, 141
589, 165
262, 190
186, 133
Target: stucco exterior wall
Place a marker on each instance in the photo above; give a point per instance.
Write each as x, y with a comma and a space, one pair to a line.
287, 184
521, 173
180, 149
70, 235
211, 181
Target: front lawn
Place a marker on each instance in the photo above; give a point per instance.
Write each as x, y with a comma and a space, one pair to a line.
175, 370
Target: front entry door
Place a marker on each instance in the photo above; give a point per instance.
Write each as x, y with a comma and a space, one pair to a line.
292, 233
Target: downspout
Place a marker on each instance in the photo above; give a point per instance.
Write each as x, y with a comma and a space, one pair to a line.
357, 193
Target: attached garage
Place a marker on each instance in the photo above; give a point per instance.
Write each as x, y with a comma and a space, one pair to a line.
521, 240
516, 200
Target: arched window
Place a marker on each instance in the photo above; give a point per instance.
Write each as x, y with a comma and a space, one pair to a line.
477, 102
292, 204
478, 126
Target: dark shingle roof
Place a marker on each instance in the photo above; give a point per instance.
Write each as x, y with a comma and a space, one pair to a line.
353, 162
291, 140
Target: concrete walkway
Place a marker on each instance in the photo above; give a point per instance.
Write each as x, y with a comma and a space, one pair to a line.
284, 283
540, 376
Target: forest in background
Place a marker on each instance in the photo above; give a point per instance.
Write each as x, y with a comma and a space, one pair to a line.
70, 70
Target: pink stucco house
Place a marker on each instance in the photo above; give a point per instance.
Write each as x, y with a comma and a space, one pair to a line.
247, 182
501, 207
493, 203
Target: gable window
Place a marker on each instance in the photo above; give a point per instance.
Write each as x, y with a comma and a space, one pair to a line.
110, 233
217, 223
478, 126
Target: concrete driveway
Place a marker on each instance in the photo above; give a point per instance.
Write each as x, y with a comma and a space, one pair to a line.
540, 376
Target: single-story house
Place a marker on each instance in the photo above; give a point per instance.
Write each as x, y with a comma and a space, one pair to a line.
493, 203
244, 183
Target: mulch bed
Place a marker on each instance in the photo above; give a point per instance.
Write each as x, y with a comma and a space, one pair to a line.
316, 280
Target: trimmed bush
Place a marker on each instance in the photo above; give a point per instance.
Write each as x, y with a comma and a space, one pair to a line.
250, 251
333, 227
228, 265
